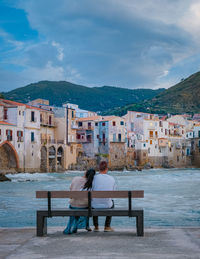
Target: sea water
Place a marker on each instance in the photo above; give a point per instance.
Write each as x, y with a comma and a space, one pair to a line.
172, 197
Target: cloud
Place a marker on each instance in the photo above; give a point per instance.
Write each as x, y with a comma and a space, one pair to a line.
124, 43
60, 55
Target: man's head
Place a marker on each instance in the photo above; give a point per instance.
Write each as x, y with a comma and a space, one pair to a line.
103, 167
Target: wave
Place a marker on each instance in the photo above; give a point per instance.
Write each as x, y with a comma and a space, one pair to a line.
27, 177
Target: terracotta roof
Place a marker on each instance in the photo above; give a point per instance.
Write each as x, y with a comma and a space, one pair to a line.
6, 123
92, 118
142, 112
173, 124
110, 118
20, 104
163, 118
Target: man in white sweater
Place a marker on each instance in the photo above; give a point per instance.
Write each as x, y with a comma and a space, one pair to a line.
103, 182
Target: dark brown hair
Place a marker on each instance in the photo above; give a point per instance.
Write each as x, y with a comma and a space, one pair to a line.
90, 176
103, 166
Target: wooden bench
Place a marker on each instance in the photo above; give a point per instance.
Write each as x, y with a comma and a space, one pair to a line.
42, 215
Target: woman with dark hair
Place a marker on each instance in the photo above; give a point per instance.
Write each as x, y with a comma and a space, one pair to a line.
80, 183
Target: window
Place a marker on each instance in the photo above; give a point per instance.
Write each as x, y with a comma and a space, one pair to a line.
32, 137
5, 114
97, 136
89, 125
50, 121
23, 113
121, 123
177, 158
144, 145
160, 124
32, 116
156, 133
119, 137
72, 114
151, 142
96, 123
78, 136
104, 138
151, 134
40, 117
165, 131
80, 124
114, 123
19, 112
149, 150
19, 136
89, 138
103, 124
9, 135
132, 126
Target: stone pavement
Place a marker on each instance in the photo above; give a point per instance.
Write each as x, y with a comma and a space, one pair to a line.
163, 243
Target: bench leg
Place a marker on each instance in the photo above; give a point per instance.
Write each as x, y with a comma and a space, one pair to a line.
140, 224
41, 225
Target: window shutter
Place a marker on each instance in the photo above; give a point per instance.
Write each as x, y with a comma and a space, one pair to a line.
22, 133
11, 133
0, 131
17, 133
6, 132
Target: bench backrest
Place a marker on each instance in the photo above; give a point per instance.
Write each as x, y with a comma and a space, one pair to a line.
94, 194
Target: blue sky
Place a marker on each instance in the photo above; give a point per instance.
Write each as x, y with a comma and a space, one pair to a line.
123, 43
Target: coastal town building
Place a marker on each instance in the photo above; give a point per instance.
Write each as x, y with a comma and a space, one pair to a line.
39, 137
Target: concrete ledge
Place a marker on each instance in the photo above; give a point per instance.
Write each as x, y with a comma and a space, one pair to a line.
163, 243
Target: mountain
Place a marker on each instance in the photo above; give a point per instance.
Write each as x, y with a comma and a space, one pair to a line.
183, 97
90, 98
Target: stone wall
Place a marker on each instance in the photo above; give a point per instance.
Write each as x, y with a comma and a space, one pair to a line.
141, 157
196, 153
117, 156
131, 159
7, 159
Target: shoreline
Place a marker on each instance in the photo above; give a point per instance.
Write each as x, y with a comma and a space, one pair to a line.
138, 169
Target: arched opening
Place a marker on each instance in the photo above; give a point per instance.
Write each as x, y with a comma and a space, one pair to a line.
60, 158
43, 164
52, 159
8, 157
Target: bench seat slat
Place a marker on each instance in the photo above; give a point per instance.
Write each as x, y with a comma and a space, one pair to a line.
95, 194
95, 212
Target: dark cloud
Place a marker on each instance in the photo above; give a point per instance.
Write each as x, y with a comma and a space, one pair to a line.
123, 43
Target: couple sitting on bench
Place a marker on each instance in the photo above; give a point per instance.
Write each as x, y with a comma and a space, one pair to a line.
91, 182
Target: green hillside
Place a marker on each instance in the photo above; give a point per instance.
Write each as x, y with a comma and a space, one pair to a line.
90, 98
183, 97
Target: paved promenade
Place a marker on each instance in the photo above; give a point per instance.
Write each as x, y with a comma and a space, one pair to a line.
157, 243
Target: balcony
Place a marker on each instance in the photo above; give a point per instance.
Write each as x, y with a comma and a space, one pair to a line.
33, 120
20, 139
178, 146
47, 124
9, 138
74, 126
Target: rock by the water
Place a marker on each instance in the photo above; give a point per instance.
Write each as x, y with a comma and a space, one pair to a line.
4, 178
147, 166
